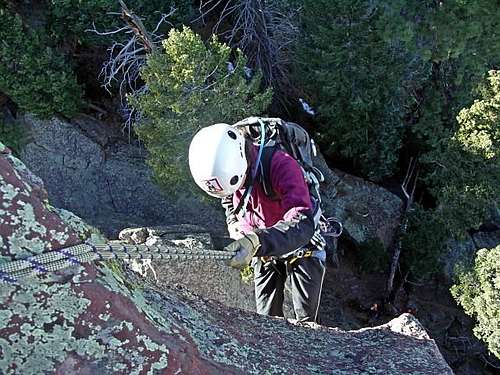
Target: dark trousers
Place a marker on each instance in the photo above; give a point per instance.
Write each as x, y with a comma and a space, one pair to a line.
305, 276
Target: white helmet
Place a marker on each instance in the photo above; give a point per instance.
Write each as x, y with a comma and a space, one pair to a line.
217, 159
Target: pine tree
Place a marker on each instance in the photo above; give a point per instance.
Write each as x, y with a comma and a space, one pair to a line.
191, 85
358, 78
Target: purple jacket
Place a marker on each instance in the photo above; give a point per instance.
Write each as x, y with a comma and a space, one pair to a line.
285, 223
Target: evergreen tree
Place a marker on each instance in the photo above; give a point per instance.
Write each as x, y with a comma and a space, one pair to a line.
478, 291
463, 175
35, 76
189, 86
357, 73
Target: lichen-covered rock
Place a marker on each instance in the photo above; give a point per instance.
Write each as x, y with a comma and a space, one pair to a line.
367, 211
100, 319
28, 225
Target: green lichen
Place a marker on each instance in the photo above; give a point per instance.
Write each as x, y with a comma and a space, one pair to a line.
18, 244
47, 314
61, 237
8, 191
30, 222
83, 230
5, 316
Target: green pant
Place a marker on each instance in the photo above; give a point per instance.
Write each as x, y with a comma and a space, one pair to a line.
305, 276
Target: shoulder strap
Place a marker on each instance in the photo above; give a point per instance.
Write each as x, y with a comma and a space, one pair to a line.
265, 175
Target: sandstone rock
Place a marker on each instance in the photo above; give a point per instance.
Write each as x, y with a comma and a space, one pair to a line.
27, 225
88, 171
208, 278
100, 318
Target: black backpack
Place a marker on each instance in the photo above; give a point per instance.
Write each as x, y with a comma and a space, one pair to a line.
294, 140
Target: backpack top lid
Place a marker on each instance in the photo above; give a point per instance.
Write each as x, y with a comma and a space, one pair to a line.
288, 136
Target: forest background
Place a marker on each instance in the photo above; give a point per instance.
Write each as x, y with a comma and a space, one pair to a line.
395, 86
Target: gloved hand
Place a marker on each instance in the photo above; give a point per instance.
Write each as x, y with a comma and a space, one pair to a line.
245, 248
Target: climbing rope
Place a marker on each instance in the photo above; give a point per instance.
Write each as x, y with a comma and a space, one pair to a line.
56, 260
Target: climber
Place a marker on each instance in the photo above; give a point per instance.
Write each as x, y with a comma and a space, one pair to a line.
274, 235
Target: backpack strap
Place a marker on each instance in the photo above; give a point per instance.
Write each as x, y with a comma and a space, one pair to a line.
265, 172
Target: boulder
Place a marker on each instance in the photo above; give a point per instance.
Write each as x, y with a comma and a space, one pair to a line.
486, 240
99, 318
88, 170
367, 211
464, 251
457, 253
208, 278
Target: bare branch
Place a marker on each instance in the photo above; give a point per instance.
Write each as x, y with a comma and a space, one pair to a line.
260, 29
94, 30
126, 58
408, 188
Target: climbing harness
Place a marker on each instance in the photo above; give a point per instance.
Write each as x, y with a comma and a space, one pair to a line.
56, 260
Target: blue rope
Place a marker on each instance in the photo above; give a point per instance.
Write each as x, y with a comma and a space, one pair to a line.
69, 257
7, 278
94, 249
37, 265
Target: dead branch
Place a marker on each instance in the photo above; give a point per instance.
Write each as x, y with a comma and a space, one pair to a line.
135, 24
260, 29
126, 58
408, 188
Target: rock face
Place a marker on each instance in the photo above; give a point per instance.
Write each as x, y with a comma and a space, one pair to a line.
99, 319
25, 221
105, 181
463, 252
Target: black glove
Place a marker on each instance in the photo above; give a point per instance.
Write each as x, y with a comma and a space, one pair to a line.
245, 248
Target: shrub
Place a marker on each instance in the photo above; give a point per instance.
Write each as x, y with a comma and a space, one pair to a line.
423, 243
464, 174
36, 77
189, 86
373, 256
11, 135
478, 291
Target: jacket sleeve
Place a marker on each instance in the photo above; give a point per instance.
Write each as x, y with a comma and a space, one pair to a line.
296, 227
